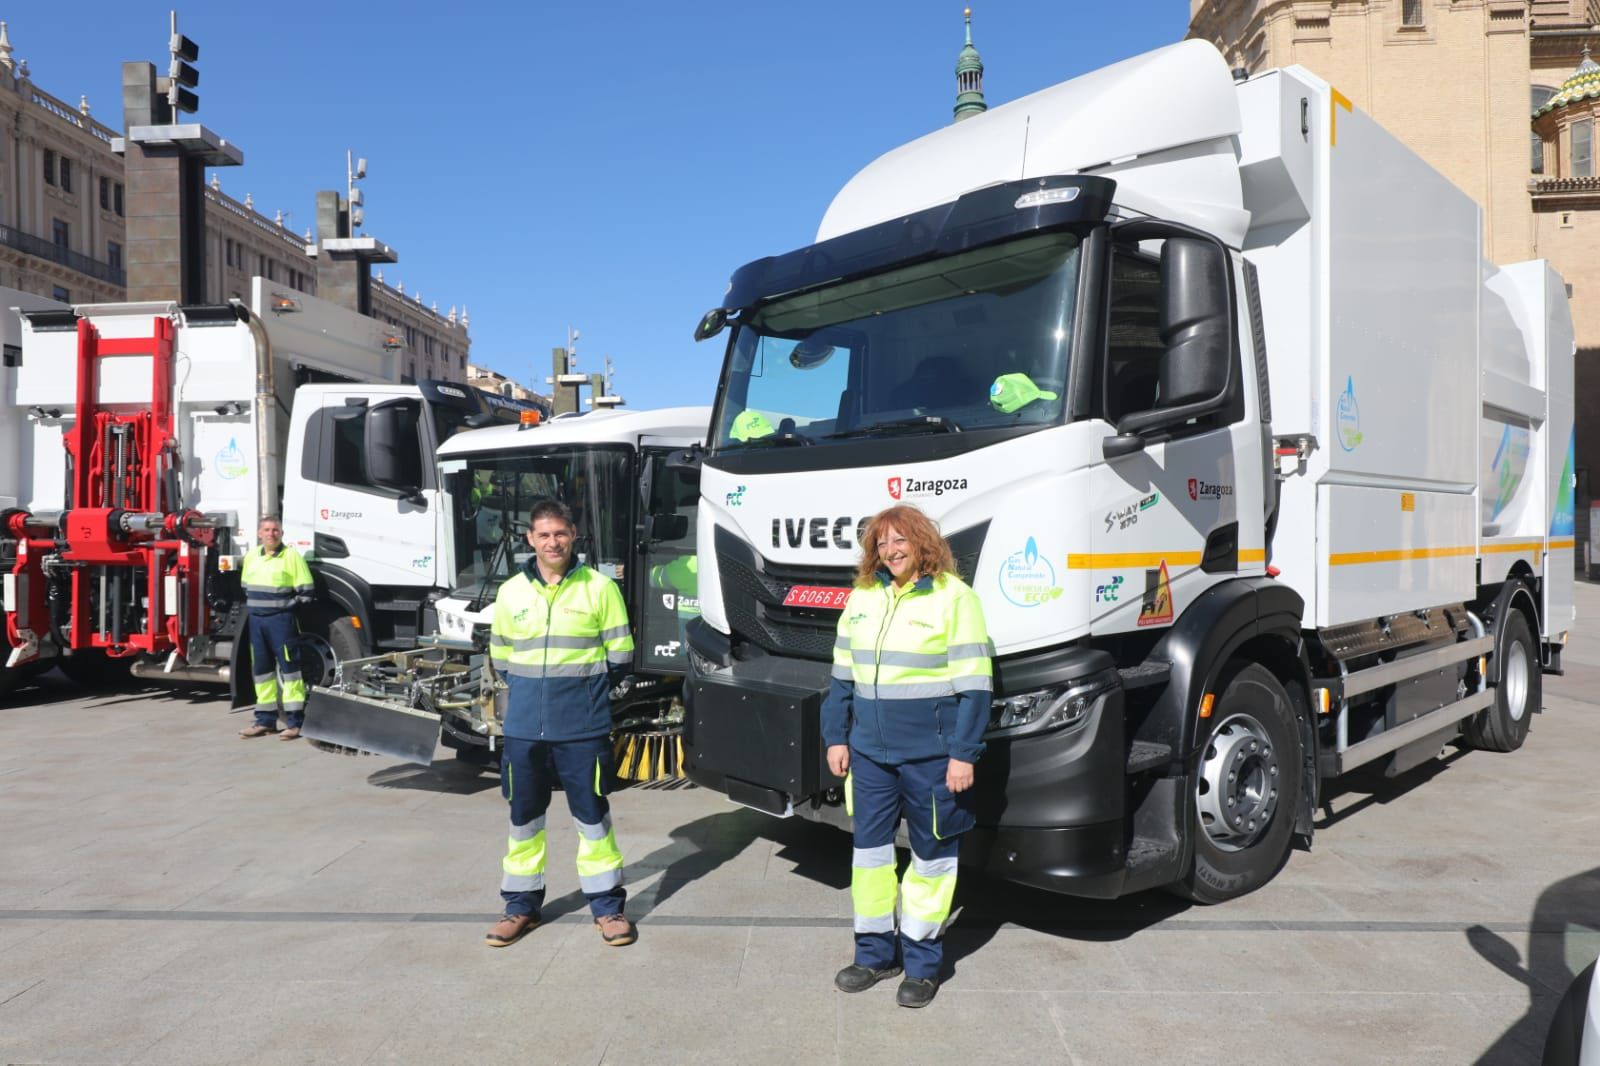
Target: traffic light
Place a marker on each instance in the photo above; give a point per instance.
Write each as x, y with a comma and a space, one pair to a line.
182, 77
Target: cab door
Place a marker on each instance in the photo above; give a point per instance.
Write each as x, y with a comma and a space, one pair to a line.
1166, 518
668, 589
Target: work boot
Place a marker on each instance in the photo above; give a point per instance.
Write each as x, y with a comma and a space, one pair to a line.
855, 978
615, 930
510, 929
916, 991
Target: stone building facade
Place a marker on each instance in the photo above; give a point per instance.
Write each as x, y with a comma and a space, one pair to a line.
1498, 95
63, 226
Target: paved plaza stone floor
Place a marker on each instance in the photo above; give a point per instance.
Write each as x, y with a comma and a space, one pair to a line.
170, 894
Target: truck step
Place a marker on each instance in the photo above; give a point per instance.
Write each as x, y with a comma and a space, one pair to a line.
1146, 851
402, 606
1149, 672
1148, 755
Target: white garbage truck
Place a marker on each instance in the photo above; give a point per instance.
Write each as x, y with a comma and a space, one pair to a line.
1262, 473
143, 441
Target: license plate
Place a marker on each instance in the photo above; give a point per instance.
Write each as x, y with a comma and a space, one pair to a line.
816, 596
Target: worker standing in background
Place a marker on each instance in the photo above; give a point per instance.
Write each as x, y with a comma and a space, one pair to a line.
903, 723
559, 636
276, 580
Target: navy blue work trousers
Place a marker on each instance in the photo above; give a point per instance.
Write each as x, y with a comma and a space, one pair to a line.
529, 770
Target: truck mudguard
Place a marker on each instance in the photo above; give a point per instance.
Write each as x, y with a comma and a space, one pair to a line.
348, 590
1516, 594
1222, 619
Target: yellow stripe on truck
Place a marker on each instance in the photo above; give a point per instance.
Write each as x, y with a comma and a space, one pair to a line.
1126, 560
1397, 555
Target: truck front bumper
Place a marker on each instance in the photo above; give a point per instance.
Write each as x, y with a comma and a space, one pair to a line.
1051, 806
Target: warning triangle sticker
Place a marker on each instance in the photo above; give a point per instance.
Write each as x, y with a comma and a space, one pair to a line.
1156, 610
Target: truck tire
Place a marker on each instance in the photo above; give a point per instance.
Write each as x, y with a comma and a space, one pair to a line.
1520, 692
9, 678
89, 669
1247, 782
321, 653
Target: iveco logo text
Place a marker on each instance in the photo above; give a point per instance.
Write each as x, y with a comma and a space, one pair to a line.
1205, 490
900, 488
818, 532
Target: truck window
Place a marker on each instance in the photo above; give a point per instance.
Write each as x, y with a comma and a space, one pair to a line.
340, 460
1133, 337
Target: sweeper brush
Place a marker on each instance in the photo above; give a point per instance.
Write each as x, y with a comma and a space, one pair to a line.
649, 755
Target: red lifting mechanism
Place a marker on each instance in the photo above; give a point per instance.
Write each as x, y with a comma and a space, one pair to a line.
135, 559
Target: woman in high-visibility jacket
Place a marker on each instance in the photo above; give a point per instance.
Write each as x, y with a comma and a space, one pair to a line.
903, 723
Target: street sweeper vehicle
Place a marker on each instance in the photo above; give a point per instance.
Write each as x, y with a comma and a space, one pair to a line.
635, 517
1261, 473
148, 438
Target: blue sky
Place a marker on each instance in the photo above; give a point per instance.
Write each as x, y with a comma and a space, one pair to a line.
604, 166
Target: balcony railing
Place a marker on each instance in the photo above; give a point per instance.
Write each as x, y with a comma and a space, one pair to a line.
67, 113
28, 244
1557, 186
251, 217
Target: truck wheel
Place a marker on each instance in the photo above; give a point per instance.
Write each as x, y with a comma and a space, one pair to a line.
1246, 782
321, 655
1504, 725
88, 669
9, 678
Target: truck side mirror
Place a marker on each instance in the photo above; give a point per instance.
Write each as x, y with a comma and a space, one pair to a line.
1195, 376
668, 527
1196, 320
391, 450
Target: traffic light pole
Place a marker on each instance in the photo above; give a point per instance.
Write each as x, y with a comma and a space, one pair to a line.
166, 161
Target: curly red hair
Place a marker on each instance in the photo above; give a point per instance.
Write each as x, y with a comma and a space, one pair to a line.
929, 550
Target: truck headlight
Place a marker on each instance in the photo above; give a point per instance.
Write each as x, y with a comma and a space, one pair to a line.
1045, 710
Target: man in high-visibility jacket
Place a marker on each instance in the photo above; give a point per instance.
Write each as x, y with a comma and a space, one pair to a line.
276, 580
560, 637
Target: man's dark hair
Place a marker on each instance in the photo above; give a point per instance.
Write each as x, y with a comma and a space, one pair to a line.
551, 509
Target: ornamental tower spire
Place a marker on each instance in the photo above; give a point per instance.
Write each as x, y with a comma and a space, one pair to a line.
969, 78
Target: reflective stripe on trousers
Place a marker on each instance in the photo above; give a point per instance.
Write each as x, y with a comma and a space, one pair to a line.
599, 859
873, 888
523, 865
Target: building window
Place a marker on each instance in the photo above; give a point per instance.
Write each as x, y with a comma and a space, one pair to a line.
116, 197
61, 295
1541, 96
66, 174
60, 233
49, 167
105, 194
272, 272
114, 255
1410, 12
1583, 148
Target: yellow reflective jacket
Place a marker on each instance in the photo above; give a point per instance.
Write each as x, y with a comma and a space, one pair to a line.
556, 645
912, 673
275, 583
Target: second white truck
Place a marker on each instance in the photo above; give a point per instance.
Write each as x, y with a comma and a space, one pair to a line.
1261, 472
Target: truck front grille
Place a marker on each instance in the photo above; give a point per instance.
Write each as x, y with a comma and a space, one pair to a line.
752, 597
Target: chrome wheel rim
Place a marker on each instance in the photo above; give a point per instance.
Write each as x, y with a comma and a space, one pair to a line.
1236, 791
1514, 680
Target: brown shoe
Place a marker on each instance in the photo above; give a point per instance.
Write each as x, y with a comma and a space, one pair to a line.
510, 929
256, 730
292, 733
615, 930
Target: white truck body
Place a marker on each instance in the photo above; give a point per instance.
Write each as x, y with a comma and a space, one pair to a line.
1394, 458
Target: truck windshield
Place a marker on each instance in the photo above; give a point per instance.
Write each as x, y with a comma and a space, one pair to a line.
976, 340
490, 497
